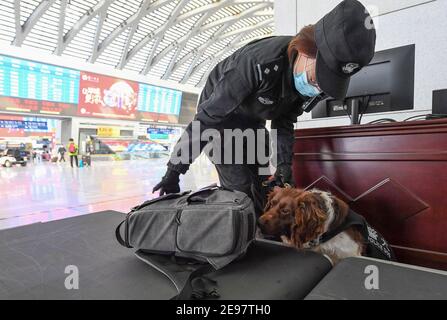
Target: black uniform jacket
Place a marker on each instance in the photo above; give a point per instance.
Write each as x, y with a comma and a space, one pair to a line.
251, 86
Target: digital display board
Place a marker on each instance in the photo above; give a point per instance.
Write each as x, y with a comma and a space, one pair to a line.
166, 131
32, 80
36, 106
159, 100
160, 133
36, 88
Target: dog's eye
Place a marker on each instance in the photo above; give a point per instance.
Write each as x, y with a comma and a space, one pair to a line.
268, 206
285, 212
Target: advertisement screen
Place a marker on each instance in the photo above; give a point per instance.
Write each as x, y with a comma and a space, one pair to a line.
107, 97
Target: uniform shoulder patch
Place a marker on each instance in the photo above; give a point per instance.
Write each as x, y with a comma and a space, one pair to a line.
272, 67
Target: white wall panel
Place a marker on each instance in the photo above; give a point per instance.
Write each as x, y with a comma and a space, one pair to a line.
400, 22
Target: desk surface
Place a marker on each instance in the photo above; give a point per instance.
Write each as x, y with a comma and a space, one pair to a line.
33, 260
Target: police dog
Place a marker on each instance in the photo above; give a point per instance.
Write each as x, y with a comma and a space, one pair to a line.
300, 218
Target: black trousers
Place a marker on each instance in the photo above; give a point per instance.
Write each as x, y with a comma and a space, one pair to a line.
244, 178
74, 158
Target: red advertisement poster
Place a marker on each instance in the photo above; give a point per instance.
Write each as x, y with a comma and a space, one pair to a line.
107, 97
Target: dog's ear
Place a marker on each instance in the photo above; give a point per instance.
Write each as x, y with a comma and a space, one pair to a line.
309, 220
341, 209
270, 196
295, 237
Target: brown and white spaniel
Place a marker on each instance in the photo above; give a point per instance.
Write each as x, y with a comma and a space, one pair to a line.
300, 218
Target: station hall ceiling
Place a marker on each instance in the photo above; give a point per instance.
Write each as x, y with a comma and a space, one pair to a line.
174, 40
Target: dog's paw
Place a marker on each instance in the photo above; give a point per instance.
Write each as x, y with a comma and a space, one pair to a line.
286, 240
259, 234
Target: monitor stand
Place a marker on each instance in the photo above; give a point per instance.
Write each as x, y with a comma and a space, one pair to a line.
355, 111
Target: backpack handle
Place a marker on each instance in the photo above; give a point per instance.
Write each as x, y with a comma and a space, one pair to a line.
165, 197
212, 187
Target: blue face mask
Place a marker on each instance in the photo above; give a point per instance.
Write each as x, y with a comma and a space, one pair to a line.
304, 87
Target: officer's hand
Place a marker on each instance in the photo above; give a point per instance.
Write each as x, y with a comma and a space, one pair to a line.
284, 174
169, 183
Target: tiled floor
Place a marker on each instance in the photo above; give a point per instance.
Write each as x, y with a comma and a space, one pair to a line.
46, 191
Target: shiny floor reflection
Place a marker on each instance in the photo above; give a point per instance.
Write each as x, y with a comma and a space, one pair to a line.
47, 191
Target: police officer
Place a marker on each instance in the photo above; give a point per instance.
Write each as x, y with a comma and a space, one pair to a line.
271, 79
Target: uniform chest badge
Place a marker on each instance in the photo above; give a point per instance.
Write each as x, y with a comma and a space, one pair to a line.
350, 67
265, 101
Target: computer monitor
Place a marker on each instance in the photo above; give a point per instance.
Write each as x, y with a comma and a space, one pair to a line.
386, 84
440, 102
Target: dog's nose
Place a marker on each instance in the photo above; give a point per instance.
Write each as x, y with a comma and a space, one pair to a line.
265, 224
263, 220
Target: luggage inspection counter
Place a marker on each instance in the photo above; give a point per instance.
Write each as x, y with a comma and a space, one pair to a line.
34, 261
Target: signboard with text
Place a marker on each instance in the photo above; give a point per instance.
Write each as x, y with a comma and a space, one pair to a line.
108, 132
26, 125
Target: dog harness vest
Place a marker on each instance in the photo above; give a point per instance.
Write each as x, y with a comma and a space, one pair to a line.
376, 245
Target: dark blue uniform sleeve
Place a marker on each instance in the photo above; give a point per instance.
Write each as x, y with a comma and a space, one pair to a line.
285, 137
235, 84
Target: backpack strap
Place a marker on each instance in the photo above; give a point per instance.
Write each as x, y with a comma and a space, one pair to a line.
124, 242
189, 289
187, 277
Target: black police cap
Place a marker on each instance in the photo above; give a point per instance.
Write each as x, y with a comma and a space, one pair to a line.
346, 40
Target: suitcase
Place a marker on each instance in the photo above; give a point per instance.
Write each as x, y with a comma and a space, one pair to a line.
87, 160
